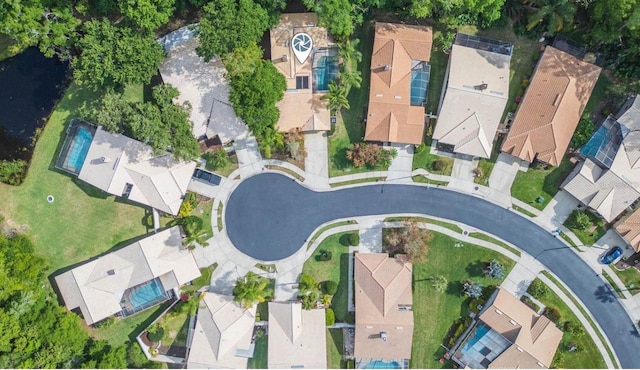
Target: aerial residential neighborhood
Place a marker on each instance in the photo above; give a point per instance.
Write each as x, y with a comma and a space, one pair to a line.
339, 184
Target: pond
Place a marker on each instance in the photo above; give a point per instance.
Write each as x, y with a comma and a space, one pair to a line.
30, 85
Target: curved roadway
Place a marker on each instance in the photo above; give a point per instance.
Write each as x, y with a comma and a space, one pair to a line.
269, 217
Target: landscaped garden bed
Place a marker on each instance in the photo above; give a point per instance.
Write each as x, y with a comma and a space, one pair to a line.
586, 226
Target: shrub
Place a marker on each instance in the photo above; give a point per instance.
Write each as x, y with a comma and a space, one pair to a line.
537, 288
185, 209
472, 289
330, 287
309, 300
477, 172
13, 172
330, 317
155, 333
107, 323
581, 220
323, 255
494, 270
386, 156
351, 318
438, 165
307, 282
573, 328
474, 303
456, 329
354, 239
420, 148
552, 314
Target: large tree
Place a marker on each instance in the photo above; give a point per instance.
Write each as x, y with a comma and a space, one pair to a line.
554, 14
338, 16
50, 26
159, 123
113, 56
147, 14
254, 97
410, 240
230, 24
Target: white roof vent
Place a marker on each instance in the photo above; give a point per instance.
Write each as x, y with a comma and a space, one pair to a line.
105, 159
383, 335
387, 67
285, 57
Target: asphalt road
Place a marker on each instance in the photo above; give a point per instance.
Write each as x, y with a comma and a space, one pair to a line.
269, 217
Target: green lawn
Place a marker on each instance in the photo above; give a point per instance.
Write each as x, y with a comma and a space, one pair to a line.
425, 160
127, 329
434, 312
83, 222
203, 280
259, 360
203, 211
425, 180
588, 355
448, 225
592, 234
438, 62
350, 127
331, 226
534, 183
630, 277
490, 239
334, 349
225, 171
336, 269
176, 328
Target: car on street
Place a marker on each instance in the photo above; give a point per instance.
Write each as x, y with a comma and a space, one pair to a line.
612, 255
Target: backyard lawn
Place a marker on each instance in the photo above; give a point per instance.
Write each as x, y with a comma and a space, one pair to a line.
83, 222
534, 183
334, 349
259, 360
350, 126
435, 312
336, 269
587, 355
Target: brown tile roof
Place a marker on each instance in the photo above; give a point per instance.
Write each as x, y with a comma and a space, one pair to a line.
381, 285
535, 338
391, 116
630, 230
551, 107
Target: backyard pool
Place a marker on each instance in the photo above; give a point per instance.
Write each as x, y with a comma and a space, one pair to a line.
379, 364
142, 296
325, 70
79, 149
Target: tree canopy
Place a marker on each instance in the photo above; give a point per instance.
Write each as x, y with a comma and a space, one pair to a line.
251, 289
115, 56
254, 97
159, 123
147, 14
230, 24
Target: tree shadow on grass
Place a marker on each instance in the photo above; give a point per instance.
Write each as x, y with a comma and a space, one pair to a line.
475, 269
454, 288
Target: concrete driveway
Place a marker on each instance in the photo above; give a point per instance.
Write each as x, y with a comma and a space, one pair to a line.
561, 206
402, 164
503, 173
316, 163
269, 217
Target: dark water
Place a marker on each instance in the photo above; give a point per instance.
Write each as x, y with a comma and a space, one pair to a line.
30, 84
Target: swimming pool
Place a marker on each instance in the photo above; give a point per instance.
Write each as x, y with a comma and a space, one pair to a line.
147, 294
379, 364
325, 71
419, 83
79, 149
481, 330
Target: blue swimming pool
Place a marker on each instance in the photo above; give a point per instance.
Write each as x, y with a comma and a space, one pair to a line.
419, 83
78, 150
147, 294
379, 364
325, 71
480, 332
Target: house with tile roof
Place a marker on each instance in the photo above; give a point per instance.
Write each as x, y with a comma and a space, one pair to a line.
221, 337
202, 85
477, 89
297, 337
131, 279
384, 310
128, 168
308, 59
551, 108
608, 179
509, 335
400, 73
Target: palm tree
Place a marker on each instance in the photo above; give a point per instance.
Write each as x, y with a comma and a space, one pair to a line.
439, 283
337, 97
251, 289
349, 51
556, 13
350, 79
195, 235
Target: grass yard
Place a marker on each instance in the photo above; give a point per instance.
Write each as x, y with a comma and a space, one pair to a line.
485, 165
534, 183
330, 226
630, 278
83, 222
334, 349
127, 329
259, 360
203, 280
438, 62
490, 239
588, 356
203, 211
591, 234
225, 171
350, 126
434, 312
426, 160
336, 269
176, 328
448, 225
425, 180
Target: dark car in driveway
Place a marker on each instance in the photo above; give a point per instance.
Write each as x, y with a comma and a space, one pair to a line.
611, 256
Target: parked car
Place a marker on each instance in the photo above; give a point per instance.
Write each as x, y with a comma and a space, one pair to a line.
612, 255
